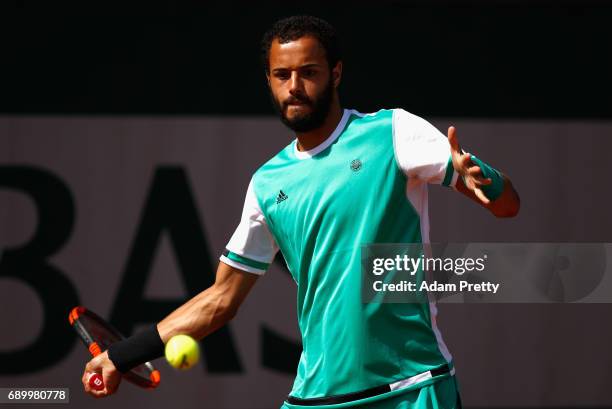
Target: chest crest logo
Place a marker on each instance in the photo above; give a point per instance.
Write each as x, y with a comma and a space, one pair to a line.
356, 165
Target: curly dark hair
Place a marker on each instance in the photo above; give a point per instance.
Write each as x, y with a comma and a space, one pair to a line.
291, 28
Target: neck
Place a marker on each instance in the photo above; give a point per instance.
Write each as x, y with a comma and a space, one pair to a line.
309, 140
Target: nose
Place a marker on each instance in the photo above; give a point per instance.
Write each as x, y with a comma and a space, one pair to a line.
296, 86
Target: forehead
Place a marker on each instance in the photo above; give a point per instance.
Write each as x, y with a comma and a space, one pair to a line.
304, 50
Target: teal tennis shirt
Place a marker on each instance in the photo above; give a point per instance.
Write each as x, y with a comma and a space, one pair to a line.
366, 183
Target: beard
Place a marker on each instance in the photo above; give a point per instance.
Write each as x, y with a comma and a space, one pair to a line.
319, 110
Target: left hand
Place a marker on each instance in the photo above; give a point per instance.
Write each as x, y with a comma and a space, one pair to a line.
471, 173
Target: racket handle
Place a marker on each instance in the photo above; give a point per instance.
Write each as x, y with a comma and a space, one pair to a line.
95, 381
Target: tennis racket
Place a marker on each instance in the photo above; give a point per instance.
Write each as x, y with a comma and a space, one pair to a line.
98, 335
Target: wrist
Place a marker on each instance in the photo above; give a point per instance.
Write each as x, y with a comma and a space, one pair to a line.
493, 190
136, 350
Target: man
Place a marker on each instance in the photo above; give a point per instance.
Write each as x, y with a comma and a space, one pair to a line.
347, 179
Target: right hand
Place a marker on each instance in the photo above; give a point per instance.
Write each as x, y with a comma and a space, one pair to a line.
101, 364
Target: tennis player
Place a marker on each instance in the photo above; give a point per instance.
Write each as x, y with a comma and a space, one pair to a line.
347, 179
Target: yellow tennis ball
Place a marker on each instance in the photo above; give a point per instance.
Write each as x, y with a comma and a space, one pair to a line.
182, 351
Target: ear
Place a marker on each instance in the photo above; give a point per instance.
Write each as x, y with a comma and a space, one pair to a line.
337, 74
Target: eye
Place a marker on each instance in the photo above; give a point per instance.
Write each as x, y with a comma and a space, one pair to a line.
309, 73
281, 75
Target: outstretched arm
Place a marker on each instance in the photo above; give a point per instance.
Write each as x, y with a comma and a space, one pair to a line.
198, 317
501, 200
212, 308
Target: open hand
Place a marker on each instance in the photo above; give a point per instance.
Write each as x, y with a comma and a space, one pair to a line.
471, 173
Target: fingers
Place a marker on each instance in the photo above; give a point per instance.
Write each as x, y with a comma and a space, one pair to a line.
110, 377
85, 380
452, 139
475, 173
87, 387
482, 181
471, 172
480, 195
462, 161
465, 160
112, 381
89, 370
107, 390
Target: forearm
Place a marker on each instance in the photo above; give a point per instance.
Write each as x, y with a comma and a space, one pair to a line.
508, 203
200, 316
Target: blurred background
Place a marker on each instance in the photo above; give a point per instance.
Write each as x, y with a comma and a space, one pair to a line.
129, 133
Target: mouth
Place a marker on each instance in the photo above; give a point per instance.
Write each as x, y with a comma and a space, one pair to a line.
296, 102
297, 106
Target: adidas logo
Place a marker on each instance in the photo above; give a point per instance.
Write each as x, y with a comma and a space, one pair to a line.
281, 196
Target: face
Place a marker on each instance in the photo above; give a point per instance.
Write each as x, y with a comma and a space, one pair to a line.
301, 84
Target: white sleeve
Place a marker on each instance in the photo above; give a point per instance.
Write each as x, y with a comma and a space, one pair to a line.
421, 151
252, 247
